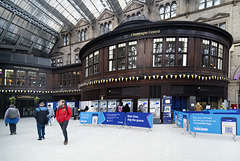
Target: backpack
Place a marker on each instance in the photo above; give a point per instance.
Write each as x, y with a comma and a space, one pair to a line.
12, 113
45, 117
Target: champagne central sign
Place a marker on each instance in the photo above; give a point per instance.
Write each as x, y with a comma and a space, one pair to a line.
146, 33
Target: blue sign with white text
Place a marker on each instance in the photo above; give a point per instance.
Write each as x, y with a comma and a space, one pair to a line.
90, 117
113, 118
139, 119
213, 123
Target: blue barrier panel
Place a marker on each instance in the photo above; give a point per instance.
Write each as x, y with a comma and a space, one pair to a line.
197, 112
175, 116
113, 118
139, 119
213, 111
215, 123
234, 110
180, 119
227, 113
90, 117
183, 118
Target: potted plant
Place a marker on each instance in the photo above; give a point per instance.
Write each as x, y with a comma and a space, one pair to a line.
36, 100
12, 100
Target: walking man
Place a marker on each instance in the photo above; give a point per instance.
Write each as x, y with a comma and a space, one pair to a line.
40, 114
63, 115
11, 117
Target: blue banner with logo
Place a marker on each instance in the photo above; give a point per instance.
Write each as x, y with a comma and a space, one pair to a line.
139, 119
215, 123
113, 118
90, 117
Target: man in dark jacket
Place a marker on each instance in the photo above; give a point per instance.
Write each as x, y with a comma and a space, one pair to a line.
40, 114
63, 115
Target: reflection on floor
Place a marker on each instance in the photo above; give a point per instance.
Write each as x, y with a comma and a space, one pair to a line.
112, 143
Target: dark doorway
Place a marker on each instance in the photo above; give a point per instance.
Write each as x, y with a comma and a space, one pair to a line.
26, 107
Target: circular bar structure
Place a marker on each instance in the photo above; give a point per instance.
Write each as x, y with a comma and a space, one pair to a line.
144, 59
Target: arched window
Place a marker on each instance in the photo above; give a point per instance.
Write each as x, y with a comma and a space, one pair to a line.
109, 26
86, 34
79, 36
167, 11
101, 29
82, 35
161, 13
173, 9
105, 28
208, 3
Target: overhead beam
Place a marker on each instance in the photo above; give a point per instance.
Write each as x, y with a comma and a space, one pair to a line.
116, 7
85, 10
56, 13
80, 12
26, 16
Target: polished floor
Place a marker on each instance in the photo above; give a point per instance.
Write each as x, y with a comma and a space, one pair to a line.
114, 143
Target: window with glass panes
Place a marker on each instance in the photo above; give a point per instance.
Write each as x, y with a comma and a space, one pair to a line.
205, 53
1, 81
208, 3
82, 35
167, 11
73, 78
42, 79
8, 77
95, 61
59, 61
69, 59
53, 62
170, 51
68, 79
182, 51
76, 58
60, 79
78, 78
132, 55
65, 40
105, 28
92, 61
157, 52
121, 56
220, 57
112, 54
64, 80
86, 67
32, 81
214, 58
20, 77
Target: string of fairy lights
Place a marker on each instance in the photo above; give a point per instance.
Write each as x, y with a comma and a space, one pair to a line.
136, 78
121, 79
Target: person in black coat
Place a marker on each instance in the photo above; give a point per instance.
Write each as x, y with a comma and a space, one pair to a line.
40, 114
126, 108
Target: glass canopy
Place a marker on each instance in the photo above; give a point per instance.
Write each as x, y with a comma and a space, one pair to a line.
34, 25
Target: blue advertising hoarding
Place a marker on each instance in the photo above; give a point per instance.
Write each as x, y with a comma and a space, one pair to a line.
113, 118
139, 119
90, 117
214, 123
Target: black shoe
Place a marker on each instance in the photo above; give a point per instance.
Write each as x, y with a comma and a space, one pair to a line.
11, 134
65, 142
39, 139
43, 137
14, 133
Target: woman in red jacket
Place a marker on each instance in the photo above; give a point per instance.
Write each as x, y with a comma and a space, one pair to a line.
63, 115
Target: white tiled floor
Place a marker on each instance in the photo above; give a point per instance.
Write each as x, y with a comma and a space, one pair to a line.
112, 143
